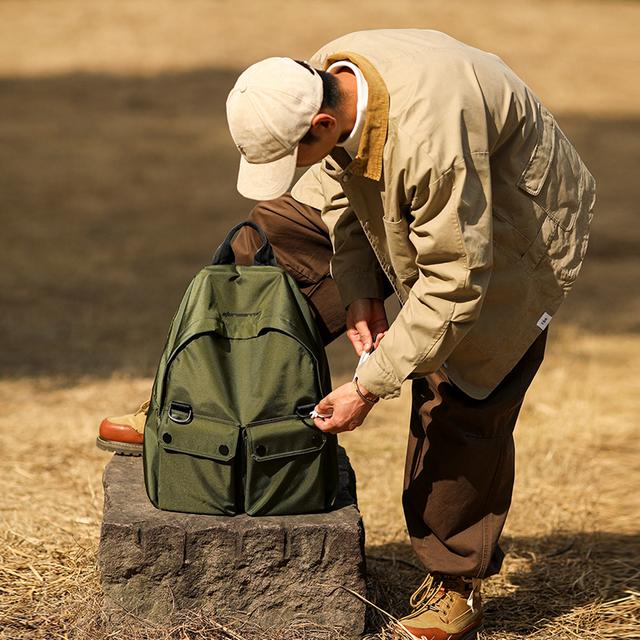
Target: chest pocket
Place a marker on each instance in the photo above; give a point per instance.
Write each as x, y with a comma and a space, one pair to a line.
551, 176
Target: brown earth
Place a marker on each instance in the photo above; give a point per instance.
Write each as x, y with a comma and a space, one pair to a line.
117, 181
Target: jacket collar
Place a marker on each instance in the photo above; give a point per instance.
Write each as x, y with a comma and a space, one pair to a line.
368, 160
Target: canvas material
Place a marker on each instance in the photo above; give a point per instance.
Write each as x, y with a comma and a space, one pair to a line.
243, 353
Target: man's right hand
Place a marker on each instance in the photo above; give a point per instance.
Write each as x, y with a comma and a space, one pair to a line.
366, 317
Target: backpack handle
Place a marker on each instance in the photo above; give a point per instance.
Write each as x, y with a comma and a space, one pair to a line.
264, 255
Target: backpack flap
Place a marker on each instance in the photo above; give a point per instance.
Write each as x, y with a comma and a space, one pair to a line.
288, 468
284, 438
197, 463
202, 436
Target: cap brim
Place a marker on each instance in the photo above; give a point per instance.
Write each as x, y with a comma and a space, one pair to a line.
269, 180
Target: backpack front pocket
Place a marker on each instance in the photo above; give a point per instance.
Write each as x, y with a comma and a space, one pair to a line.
288, 468
197, 471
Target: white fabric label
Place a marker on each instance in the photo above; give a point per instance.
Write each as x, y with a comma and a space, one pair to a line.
544, 321
363, 358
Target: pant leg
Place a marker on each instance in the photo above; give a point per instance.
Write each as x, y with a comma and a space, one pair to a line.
302, 246
460, 469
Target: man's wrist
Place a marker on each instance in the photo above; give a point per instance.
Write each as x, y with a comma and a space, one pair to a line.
366, 396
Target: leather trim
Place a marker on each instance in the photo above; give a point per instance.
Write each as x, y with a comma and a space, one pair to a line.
119, 433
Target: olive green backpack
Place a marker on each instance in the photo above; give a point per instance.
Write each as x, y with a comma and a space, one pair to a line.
228, 429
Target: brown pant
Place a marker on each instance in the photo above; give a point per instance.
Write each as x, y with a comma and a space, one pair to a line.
460, 458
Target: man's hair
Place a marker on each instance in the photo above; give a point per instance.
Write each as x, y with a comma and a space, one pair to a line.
331, 95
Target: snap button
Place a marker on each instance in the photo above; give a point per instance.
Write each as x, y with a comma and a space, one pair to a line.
223, 449
345, 178
261, 449
167, 437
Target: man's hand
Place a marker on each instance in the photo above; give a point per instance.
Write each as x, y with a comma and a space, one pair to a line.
346, 408
366, 317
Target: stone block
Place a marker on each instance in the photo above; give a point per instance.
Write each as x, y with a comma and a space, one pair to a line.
275, 569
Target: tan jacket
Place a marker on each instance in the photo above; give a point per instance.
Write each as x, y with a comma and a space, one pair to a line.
469, 197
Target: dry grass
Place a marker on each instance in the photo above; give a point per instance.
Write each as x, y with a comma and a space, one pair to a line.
117, 181
572, 541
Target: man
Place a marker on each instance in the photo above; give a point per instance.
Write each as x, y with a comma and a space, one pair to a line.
443, 174
436, 172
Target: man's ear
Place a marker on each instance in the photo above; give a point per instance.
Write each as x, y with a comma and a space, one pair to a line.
323, 121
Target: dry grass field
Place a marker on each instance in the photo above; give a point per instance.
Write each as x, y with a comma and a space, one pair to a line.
117, 181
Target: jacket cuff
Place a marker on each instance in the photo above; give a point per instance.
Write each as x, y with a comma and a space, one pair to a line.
377, 376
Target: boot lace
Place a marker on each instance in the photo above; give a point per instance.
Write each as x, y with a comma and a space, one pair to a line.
428, 594
143, 408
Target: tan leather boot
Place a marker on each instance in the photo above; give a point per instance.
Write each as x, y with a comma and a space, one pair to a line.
445, 608
124, 434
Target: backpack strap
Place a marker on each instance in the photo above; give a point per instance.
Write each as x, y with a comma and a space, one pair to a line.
264, 255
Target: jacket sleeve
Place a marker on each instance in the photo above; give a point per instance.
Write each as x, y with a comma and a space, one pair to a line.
449, 217
354, 266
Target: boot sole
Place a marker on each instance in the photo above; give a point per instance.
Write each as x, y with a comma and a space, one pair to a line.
470, 635
119, 448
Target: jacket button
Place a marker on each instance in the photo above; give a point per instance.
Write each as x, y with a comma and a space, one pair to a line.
223, 449
261, 449
345, 178
166, 437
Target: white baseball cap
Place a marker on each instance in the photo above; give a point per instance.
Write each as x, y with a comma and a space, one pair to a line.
269, 110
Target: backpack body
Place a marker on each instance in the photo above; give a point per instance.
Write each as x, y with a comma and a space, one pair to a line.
228, 428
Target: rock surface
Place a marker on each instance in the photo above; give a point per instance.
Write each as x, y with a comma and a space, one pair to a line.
275, 570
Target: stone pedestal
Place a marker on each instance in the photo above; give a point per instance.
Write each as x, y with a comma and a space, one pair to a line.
275, 570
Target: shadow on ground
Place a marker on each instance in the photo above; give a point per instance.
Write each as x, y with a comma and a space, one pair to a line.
116, 190
546, 578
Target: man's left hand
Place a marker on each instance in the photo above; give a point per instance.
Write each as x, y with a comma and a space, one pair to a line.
346, 408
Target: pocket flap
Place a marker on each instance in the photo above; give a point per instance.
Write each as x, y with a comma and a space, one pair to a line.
202, 436
535, 173
284, 438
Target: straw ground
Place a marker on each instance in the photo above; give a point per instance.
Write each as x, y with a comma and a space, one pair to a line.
117, 182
